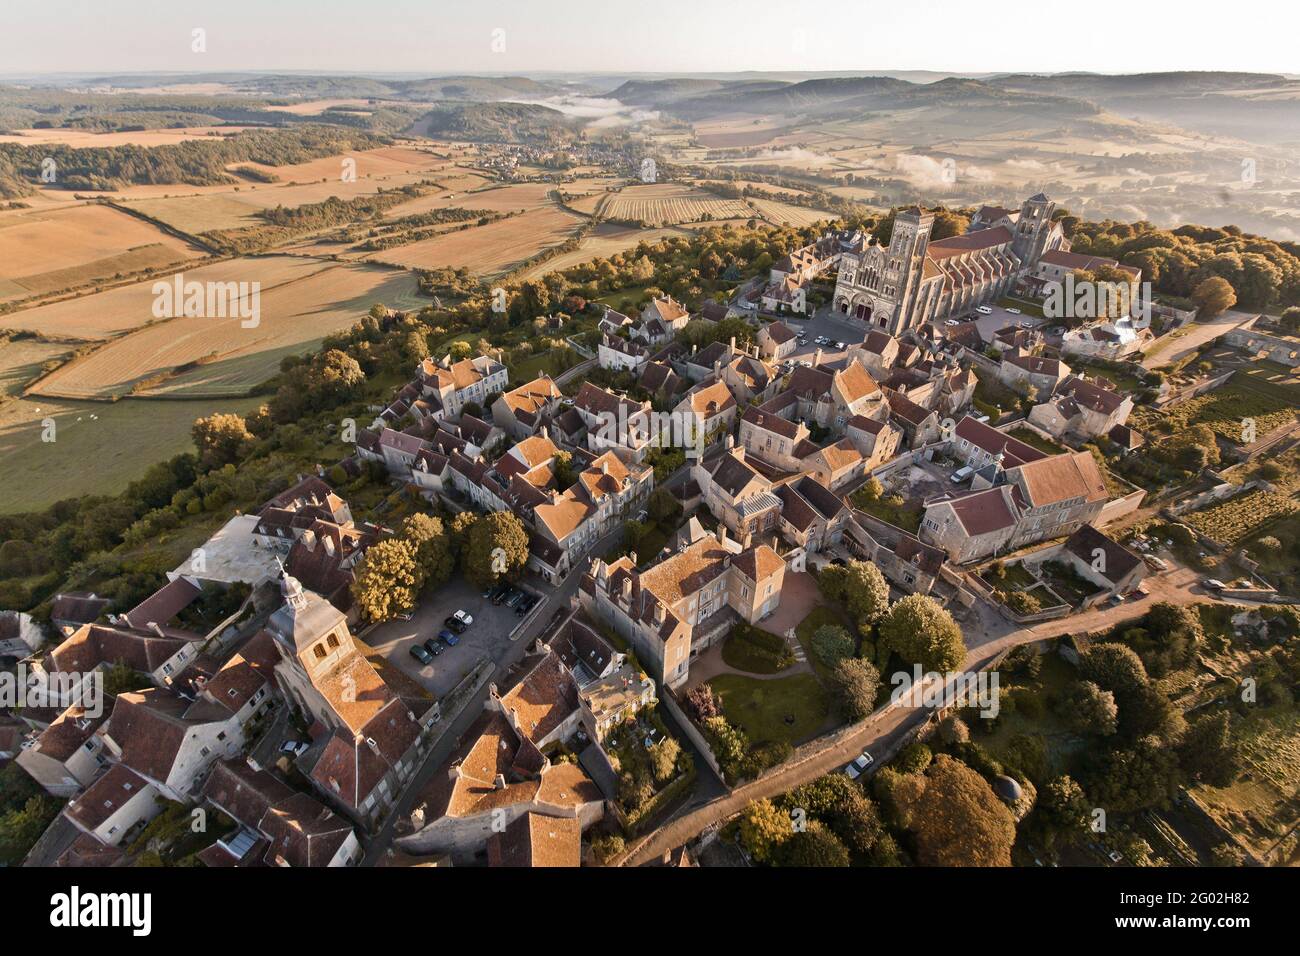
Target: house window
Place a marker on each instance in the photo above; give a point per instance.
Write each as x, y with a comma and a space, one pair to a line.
320, 651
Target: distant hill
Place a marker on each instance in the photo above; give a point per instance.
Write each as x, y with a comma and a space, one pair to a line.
496, 122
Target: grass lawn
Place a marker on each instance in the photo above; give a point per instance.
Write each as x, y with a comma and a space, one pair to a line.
1055, 677
1014, 576
752, 649
760, 707
1024, 305
892, 509
1123, 381
1035, 440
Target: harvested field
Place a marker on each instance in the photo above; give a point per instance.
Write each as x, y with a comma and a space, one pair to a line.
99, 447
489, 249
48, 250
83, 138
295, 316
780, 213
605, 240
513, 198
101, 316
666, 204
21, 362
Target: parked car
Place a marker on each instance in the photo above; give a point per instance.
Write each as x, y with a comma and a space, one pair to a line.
448, 638
962, 474
464, 617
501, 592
456, 625
1014, 311
1156, 564
983, 310
295, 748
859, 766
433, 646
420, 654
514, 597
1213, 584
527, 604
840, 345
951, 322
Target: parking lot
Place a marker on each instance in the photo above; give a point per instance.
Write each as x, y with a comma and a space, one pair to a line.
825, 322
488, 636
1000, 319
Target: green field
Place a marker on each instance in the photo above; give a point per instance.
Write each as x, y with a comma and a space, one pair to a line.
97, 455
760, 707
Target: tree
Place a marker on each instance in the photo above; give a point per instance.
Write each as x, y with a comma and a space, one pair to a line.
843, 806
854, 684
958, 820
1140, 777
704, 702
1062, 809
922, 632
497, 548
831, 643
1213, 296
867, 592
663, 507
21, 828
815, 845
434, 558
1087, 709
663, 759
1206, 752
762, 829
1142, 708
220, 439
386, 579
915, 758
606, 847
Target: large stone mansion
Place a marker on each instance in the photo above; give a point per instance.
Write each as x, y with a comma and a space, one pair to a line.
913, 280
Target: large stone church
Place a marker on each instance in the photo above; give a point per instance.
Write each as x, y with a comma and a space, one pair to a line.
913, 280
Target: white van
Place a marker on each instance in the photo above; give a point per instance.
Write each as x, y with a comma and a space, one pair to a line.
962, 474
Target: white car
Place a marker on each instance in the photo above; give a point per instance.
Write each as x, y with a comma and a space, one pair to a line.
295, 748
859, 766
464, 618
1014, 311
840, 345
983, 310
951, 322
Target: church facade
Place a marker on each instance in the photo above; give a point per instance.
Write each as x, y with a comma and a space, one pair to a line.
913, 280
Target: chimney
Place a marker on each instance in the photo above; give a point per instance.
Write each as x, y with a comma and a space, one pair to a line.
604, 466
627, 587
329, 546
731, 441
309, 539
659, 613
717, 367
722, 533
499, 782
631, 556
817, 359
545, 433
733, 343
153, 626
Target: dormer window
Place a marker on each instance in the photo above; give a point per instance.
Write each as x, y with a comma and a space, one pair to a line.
320, 651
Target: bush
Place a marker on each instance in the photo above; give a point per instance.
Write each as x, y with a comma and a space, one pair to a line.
914, 759
832, 644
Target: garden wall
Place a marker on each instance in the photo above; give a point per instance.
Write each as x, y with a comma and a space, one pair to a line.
669, 699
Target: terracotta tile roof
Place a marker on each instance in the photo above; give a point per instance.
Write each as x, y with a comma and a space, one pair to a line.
983, 512
780, 333
969, 242
759, 563
94, 644
536, 840
545, 698
1119, 560
69, 732
855, 382
993, 442
1092, 395
668, 309
769, 421
711, 400
105, 796
1061, 478
684, 574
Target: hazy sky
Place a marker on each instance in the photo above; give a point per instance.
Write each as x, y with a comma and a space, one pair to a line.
441, 36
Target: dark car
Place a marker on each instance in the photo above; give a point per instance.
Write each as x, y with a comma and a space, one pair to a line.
514, 597
448, 638
433, 646
527, 604
501, 593
456, 625
420, 654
